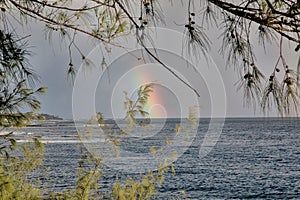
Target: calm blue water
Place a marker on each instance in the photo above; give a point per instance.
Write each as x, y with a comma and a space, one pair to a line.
257, 158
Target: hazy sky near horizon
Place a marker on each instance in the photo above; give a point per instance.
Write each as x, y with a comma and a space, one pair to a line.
50, 61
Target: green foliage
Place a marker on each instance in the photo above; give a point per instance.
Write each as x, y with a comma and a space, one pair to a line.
16, 82
285, 94
19, 163
132, 189
193, 116
16, 168
135, 107
87, 183
144, 187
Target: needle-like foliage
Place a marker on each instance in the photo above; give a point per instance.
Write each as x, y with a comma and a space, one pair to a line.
16, 82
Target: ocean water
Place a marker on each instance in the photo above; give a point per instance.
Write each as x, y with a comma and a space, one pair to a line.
254, 158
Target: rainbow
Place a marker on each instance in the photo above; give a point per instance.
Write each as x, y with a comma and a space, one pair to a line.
156, 103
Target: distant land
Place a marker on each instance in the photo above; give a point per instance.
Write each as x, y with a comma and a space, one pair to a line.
50, 117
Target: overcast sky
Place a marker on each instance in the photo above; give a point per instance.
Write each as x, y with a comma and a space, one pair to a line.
50, 60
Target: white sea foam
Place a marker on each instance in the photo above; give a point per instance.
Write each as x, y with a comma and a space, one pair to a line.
15, 133
59, 141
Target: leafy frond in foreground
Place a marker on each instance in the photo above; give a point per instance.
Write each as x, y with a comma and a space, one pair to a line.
290, 92
251, 83
17, 81
134, 107
195, 40
272, 96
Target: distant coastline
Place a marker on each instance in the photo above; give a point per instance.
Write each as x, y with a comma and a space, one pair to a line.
50, 117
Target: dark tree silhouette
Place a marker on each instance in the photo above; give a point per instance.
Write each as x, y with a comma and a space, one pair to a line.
17, 82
